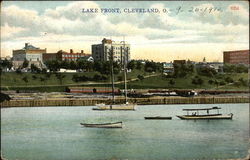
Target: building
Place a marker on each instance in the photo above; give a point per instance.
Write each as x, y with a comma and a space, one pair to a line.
217, 66
168, 68
65, 56
236, 57
121, 50
179, 61
30, 53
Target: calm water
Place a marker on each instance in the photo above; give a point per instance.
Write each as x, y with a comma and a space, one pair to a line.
54, 133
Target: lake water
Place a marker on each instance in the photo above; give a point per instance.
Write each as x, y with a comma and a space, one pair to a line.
54, 133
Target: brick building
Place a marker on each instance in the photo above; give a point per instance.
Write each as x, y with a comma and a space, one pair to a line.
62, 55
236, 57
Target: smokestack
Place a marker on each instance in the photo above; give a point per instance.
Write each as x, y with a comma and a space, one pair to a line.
81, 51
26, 45
71, 50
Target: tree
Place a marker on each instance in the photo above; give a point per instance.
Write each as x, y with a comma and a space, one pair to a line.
140, 77
34, 77
35, 69
25, 63
229, 80
171, 82
42, 79
97, 77
241, 68
5, 64
53, 65
25, 79
97, 66
210, 81
197, 81
139, 65
60, 77
18, 71
206, 71
73, 65
65, 64
132, 65
243, 82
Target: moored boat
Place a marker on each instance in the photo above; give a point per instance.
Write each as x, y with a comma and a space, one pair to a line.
158, 118
103, 125
125, 106
197, 116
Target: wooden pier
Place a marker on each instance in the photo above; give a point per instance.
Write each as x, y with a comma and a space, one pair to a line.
139, 101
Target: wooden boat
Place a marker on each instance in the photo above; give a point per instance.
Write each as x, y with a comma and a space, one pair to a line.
197, 116
158, 118
124, 106
103, 125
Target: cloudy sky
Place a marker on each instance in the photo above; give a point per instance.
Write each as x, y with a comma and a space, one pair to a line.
180, 30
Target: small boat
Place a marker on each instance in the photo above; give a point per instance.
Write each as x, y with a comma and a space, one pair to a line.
103, 125
197, 116
125, 106
158, 118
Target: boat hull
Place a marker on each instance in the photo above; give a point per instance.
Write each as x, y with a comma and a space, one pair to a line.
103, 125
157, 118
116, 107
205, 117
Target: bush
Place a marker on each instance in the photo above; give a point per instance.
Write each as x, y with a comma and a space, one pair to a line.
171, 82
210, 81
119, 78
18, 71
140, 77
77, 78
229, 80
197, 81
222, 83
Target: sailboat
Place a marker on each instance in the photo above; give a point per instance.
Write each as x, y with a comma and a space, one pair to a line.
113, 106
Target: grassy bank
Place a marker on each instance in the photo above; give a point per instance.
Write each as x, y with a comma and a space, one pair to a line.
186, 83
51, 83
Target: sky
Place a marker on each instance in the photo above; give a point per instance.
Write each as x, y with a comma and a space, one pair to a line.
174, 30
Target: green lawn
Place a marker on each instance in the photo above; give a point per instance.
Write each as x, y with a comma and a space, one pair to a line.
186, 83
14, 81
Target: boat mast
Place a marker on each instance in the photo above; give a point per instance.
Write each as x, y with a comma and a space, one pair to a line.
125, 69
112, 73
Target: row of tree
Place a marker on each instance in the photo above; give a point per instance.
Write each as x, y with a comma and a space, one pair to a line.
103, 66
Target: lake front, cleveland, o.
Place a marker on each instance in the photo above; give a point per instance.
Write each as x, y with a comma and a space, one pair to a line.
55, 133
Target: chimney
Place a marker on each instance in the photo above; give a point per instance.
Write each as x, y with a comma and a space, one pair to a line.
71, 50
26, 45
81, 51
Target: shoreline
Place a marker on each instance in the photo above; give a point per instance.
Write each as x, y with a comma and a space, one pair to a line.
139, 101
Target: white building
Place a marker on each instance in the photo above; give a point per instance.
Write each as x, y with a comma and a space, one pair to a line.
101, 52
30, 53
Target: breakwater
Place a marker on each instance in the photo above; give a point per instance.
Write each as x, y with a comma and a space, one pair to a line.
139, 101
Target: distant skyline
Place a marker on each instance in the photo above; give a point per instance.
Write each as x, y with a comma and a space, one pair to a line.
180, 30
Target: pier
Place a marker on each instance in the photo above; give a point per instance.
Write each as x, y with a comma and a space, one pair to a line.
139, 101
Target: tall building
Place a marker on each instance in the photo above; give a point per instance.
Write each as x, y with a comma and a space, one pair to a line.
101, 52
236, 57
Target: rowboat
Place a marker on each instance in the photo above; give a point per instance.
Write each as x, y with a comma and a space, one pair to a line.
103, 125
125, 106
197, 116
158, 118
